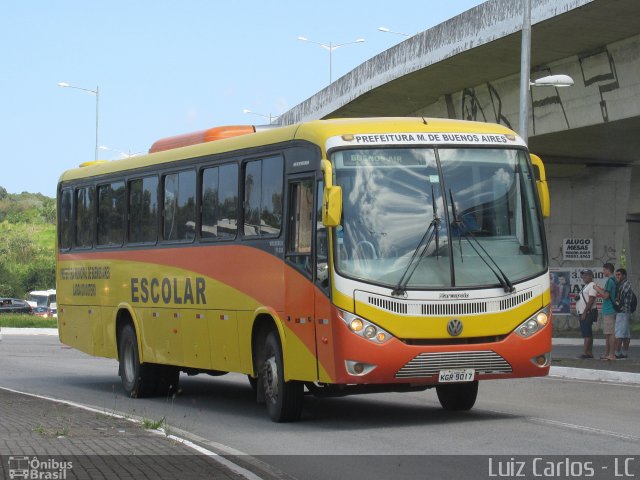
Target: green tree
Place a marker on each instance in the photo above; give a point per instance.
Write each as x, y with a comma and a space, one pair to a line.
27, 243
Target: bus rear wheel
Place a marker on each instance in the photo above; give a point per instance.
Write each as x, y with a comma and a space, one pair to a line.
284, 399
143, 380
458, 396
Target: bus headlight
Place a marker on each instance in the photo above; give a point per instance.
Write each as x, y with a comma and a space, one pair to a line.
364, 328
535, 323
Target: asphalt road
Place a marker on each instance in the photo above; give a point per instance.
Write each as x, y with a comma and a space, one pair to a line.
371, 436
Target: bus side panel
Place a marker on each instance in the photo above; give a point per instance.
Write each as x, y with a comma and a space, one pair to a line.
245, 327
327, 340
299, 344
223, 337
81, 327
161, 336
194, 333
110, 349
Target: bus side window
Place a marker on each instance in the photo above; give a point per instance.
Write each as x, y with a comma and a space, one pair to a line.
64, 220
180, 206
143, 210
322, 244
111, 207
219, 202
85, 217
263, 197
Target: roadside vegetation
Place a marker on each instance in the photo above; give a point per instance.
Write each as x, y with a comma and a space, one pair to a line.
27, 243
25, 321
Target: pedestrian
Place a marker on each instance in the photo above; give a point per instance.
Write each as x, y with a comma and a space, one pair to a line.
608, 312
623, 300
585, 304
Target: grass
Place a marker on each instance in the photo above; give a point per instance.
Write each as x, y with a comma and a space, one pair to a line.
23, 321
45, 432
153, 424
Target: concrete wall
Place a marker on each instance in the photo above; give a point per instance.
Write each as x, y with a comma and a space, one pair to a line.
607, 88
481, 25
589, 202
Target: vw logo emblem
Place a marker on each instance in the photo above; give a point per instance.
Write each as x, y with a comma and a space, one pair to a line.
454, 327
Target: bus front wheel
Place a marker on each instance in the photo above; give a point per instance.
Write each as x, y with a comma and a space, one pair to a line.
284, 399
458, 396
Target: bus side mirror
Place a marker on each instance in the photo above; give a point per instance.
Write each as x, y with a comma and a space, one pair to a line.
332, 206
541, 183
331, 197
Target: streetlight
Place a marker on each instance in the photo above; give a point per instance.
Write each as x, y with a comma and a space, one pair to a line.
331, 47
270, 117
95, 92
386, 30
119, 152
525, 70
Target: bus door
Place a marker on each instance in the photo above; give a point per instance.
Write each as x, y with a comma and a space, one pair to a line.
300, 361
325, 336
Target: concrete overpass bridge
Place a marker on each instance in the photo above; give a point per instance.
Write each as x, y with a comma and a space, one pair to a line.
588, 135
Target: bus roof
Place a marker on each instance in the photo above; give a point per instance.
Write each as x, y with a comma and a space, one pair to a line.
316, 131
43, 292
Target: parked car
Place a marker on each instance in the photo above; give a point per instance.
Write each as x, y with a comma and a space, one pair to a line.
14, 305
45, 312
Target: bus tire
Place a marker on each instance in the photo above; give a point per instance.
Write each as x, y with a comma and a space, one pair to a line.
254, 383
138, 380
167, 380
283, 399
457, 397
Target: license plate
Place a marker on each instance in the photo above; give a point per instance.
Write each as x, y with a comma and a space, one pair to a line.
457, 375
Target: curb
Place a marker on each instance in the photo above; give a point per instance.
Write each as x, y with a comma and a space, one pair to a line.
595, 375
29, 331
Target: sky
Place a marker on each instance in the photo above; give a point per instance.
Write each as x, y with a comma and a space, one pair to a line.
163, 68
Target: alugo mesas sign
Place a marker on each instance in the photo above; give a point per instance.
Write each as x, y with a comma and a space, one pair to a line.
577, 249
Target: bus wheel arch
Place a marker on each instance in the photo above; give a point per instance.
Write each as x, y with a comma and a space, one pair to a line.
263, 324
124, 317
140, 379
283, 399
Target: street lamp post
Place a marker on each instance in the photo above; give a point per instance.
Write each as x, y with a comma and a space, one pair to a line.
386, 30
270, 117
525, 71
95, 92
119, 152
331, 47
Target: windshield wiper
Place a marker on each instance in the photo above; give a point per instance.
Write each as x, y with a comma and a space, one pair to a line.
461, 228
431, 232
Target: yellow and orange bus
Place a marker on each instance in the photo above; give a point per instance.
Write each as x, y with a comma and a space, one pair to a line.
330, 258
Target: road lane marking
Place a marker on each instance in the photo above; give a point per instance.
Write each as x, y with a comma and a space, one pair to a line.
583, 428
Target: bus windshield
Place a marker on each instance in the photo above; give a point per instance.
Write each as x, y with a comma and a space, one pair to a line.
428, 218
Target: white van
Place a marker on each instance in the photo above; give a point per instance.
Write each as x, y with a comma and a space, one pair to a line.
42, 298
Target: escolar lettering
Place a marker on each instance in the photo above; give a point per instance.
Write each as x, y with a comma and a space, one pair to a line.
169, 290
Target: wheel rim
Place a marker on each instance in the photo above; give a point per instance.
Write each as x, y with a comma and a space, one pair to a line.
129, 363
270, 371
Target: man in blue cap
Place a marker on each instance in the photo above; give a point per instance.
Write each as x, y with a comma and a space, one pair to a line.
585, 303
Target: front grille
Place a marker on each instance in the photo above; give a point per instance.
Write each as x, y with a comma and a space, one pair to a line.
453, 340
445, 308
429, 364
